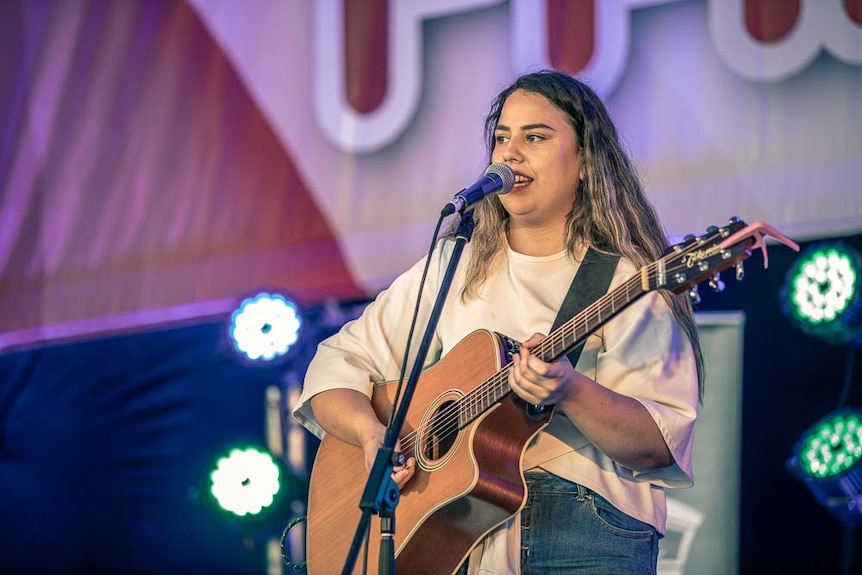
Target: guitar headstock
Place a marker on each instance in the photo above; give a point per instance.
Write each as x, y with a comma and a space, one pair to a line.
700, 257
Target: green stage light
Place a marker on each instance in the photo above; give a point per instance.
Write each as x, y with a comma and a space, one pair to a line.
821, 293
827, 460
245, 481
833, 446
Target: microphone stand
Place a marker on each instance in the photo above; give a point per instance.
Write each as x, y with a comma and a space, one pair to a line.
381, 493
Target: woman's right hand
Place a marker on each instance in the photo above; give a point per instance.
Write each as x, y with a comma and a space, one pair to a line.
347, 414
401, 474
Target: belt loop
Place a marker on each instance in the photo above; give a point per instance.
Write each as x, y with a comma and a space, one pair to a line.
581, 494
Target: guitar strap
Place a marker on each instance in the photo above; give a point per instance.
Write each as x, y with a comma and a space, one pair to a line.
591, 282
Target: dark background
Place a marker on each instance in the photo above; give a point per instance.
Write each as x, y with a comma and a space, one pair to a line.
106, 444
790, 380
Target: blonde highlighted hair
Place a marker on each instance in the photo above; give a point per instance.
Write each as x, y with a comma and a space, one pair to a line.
611, 212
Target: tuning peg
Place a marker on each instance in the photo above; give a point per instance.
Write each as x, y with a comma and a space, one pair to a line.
716, 284
689, 238
740, 271
693, 295
734, 220
711, 229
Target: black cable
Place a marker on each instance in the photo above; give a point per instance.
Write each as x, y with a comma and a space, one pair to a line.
301, 566
847, 551
403, 372
847, 540
848, 375
395, 400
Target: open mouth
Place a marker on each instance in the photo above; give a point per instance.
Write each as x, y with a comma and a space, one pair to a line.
521, 181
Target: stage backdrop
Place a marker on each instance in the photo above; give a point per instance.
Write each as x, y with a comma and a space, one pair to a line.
158, 158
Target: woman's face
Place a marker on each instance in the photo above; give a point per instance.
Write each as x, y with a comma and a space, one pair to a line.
535, 139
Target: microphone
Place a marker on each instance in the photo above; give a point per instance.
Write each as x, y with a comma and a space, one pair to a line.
498, 178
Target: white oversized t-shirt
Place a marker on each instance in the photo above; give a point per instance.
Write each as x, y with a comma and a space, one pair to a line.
641, 353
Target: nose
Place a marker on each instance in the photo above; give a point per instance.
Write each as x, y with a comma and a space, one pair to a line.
509, 152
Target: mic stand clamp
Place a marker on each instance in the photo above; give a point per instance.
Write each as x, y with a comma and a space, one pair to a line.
383, 503
380, 497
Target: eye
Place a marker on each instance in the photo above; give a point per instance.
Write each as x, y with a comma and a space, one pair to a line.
535, 138
500, 139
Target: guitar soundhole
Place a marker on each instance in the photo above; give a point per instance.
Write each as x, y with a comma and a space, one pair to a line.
441, 433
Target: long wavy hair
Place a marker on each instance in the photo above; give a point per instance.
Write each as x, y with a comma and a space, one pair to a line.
610, 213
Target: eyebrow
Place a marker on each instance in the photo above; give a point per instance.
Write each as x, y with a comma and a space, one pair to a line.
526, 128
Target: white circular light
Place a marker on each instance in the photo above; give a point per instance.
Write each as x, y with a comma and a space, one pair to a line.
265, 327
245, 481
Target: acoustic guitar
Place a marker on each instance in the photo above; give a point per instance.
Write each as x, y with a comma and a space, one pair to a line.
468, 433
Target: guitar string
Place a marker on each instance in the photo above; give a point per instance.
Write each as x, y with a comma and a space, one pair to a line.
477, 400
495, 386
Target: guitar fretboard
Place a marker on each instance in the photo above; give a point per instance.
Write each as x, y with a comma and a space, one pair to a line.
560, 342
682, 267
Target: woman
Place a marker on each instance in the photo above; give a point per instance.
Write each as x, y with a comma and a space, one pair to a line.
622, 429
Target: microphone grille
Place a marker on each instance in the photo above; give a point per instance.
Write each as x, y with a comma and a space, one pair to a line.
506, 174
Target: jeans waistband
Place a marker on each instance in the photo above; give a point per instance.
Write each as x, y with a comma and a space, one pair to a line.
542, 480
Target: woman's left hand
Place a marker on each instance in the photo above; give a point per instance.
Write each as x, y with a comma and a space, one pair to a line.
538, 382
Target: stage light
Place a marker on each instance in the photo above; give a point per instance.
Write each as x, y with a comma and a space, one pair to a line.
245, 481
821, 293
264, 327
827, 459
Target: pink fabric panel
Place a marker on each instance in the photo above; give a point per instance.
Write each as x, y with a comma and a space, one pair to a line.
137, 173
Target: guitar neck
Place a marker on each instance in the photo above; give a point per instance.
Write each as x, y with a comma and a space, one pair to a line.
572, 333
681, 268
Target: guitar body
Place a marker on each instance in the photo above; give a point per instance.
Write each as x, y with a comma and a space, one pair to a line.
463, 487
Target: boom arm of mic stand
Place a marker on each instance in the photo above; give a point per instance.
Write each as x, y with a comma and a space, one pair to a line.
378, 494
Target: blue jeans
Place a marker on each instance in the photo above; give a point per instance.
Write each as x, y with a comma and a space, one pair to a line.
566, 528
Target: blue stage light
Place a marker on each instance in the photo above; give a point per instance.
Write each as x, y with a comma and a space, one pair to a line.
264, 327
